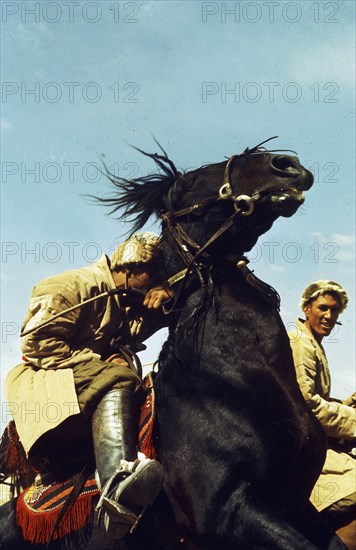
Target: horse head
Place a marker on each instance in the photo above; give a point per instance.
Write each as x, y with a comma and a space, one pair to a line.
217, 209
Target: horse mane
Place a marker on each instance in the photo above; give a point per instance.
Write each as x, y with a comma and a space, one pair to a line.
141, 197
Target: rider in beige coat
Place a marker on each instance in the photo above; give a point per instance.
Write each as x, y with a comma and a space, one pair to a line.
322, 302
73, 390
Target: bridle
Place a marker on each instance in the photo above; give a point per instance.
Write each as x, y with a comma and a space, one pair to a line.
195, 256
243, 204
191, 252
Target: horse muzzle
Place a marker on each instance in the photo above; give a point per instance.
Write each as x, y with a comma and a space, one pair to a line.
286, 166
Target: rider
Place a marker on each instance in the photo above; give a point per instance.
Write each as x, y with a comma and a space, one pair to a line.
334, 493
73, 387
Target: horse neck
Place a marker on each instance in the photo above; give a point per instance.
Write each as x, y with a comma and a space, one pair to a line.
244, 281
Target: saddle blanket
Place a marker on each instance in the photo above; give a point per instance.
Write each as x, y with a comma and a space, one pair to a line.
39, 507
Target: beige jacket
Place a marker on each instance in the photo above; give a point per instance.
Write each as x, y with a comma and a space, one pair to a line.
338, 478
41, 392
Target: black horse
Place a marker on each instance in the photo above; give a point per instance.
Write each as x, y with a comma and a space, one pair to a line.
239, 446
240, 449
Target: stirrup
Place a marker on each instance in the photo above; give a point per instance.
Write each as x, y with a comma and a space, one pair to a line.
118, 518
108, 486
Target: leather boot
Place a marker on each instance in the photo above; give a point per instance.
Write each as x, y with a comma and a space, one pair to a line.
128, 485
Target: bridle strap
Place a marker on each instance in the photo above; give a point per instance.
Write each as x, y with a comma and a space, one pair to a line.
225, 192
228, 223
243, 205
190, 251
177, 277
185, 244
201, 251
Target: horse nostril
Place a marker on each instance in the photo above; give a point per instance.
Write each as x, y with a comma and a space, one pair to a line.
285, 165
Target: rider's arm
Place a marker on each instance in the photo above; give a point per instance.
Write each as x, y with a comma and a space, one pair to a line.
50, 346
338, 420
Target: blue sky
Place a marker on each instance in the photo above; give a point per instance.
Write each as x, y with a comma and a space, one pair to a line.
82, 80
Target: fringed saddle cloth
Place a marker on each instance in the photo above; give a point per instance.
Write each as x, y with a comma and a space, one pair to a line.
51, 509
45, 511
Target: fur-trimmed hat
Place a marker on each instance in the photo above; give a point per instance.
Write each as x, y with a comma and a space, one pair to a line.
140, 248
319, 288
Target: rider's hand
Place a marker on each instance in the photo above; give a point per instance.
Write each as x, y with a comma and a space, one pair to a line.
351, 401
157, 296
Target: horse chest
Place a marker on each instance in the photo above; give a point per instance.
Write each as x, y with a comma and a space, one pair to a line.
236, 331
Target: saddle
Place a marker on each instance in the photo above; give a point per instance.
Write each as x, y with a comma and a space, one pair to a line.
56, 505
52, 509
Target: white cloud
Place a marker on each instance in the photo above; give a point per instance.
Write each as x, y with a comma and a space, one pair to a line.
339, 238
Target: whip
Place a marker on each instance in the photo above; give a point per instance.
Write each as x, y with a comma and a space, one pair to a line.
123, 292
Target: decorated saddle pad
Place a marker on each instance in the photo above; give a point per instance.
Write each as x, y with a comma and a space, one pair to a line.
147, 439
40, 506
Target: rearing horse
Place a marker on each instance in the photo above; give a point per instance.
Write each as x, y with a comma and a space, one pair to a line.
240, 449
